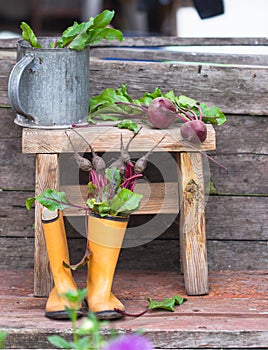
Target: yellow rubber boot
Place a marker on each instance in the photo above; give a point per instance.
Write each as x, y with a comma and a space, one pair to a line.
105, 241
57, 249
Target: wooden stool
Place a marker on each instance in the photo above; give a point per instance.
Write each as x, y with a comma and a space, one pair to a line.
48, 145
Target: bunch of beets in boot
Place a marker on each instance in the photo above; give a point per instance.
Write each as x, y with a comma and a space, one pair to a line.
110, 187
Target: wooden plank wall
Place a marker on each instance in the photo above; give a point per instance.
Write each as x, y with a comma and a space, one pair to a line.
236, 214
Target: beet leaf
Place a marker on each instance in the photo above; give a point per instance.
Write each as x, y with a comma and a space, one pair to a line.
29, 202
50, 199
167, 303
124, 202
113, 176
53, 200
212, 114
117, 104
109, 97
28, 35
80, 35
128, 124
186, 102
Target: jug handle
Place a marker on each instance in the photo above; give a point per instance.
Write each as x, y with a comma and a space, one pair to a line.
14, 83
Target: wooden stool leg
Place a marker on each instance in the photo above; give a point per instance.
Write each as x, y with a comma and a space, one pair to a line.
192, 224
46, 176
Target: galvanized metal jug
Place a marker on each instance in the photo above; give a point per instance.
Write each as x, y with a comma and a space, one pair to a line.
49, 87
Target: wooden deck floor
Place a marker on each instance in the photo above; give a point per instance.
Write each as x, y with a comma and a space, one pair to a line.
234, 315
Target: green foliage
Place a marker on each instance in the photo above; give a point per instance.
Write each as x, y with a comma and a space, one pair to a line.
28, 35
3, 336
185, 102
122, 201
76, 297
80, 35
50, 199
128, 124
125, 202
75, 36
167, 303
114, 179
109, 97
91, 189
60, 342
113, 97
85, 337
110, 200
114, 104
29, 202
100, 207
212, 115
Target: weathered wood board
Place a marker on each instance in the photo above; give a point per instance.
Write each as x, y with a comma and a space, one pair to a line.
244, 174
157, 255
232, 316
208, 82
153, 41
227, 218
15, 220
173, 54
106, 139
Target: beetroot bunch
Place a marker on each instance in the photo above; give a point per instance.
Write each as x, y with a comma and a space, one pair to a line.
160, 110
162, 113
111, 187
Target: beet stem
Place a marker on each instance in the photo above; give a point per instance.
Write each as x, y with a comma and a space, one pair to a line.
132, 186
95, 179
141, 163
143, 108
126, 183
151, 151
200, 111
76, 206
204, 154
132, 138
91, 148
194, 114
124, 313
185, 113
185, 118
129, 170
74, 150
88, 125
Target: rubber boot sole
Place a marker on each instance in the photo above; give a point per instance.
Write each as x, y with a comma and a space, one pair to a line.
108, 315
61, 315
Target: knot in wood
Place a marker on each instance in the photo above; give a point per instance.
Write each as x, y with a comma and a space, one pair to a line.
192, 192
